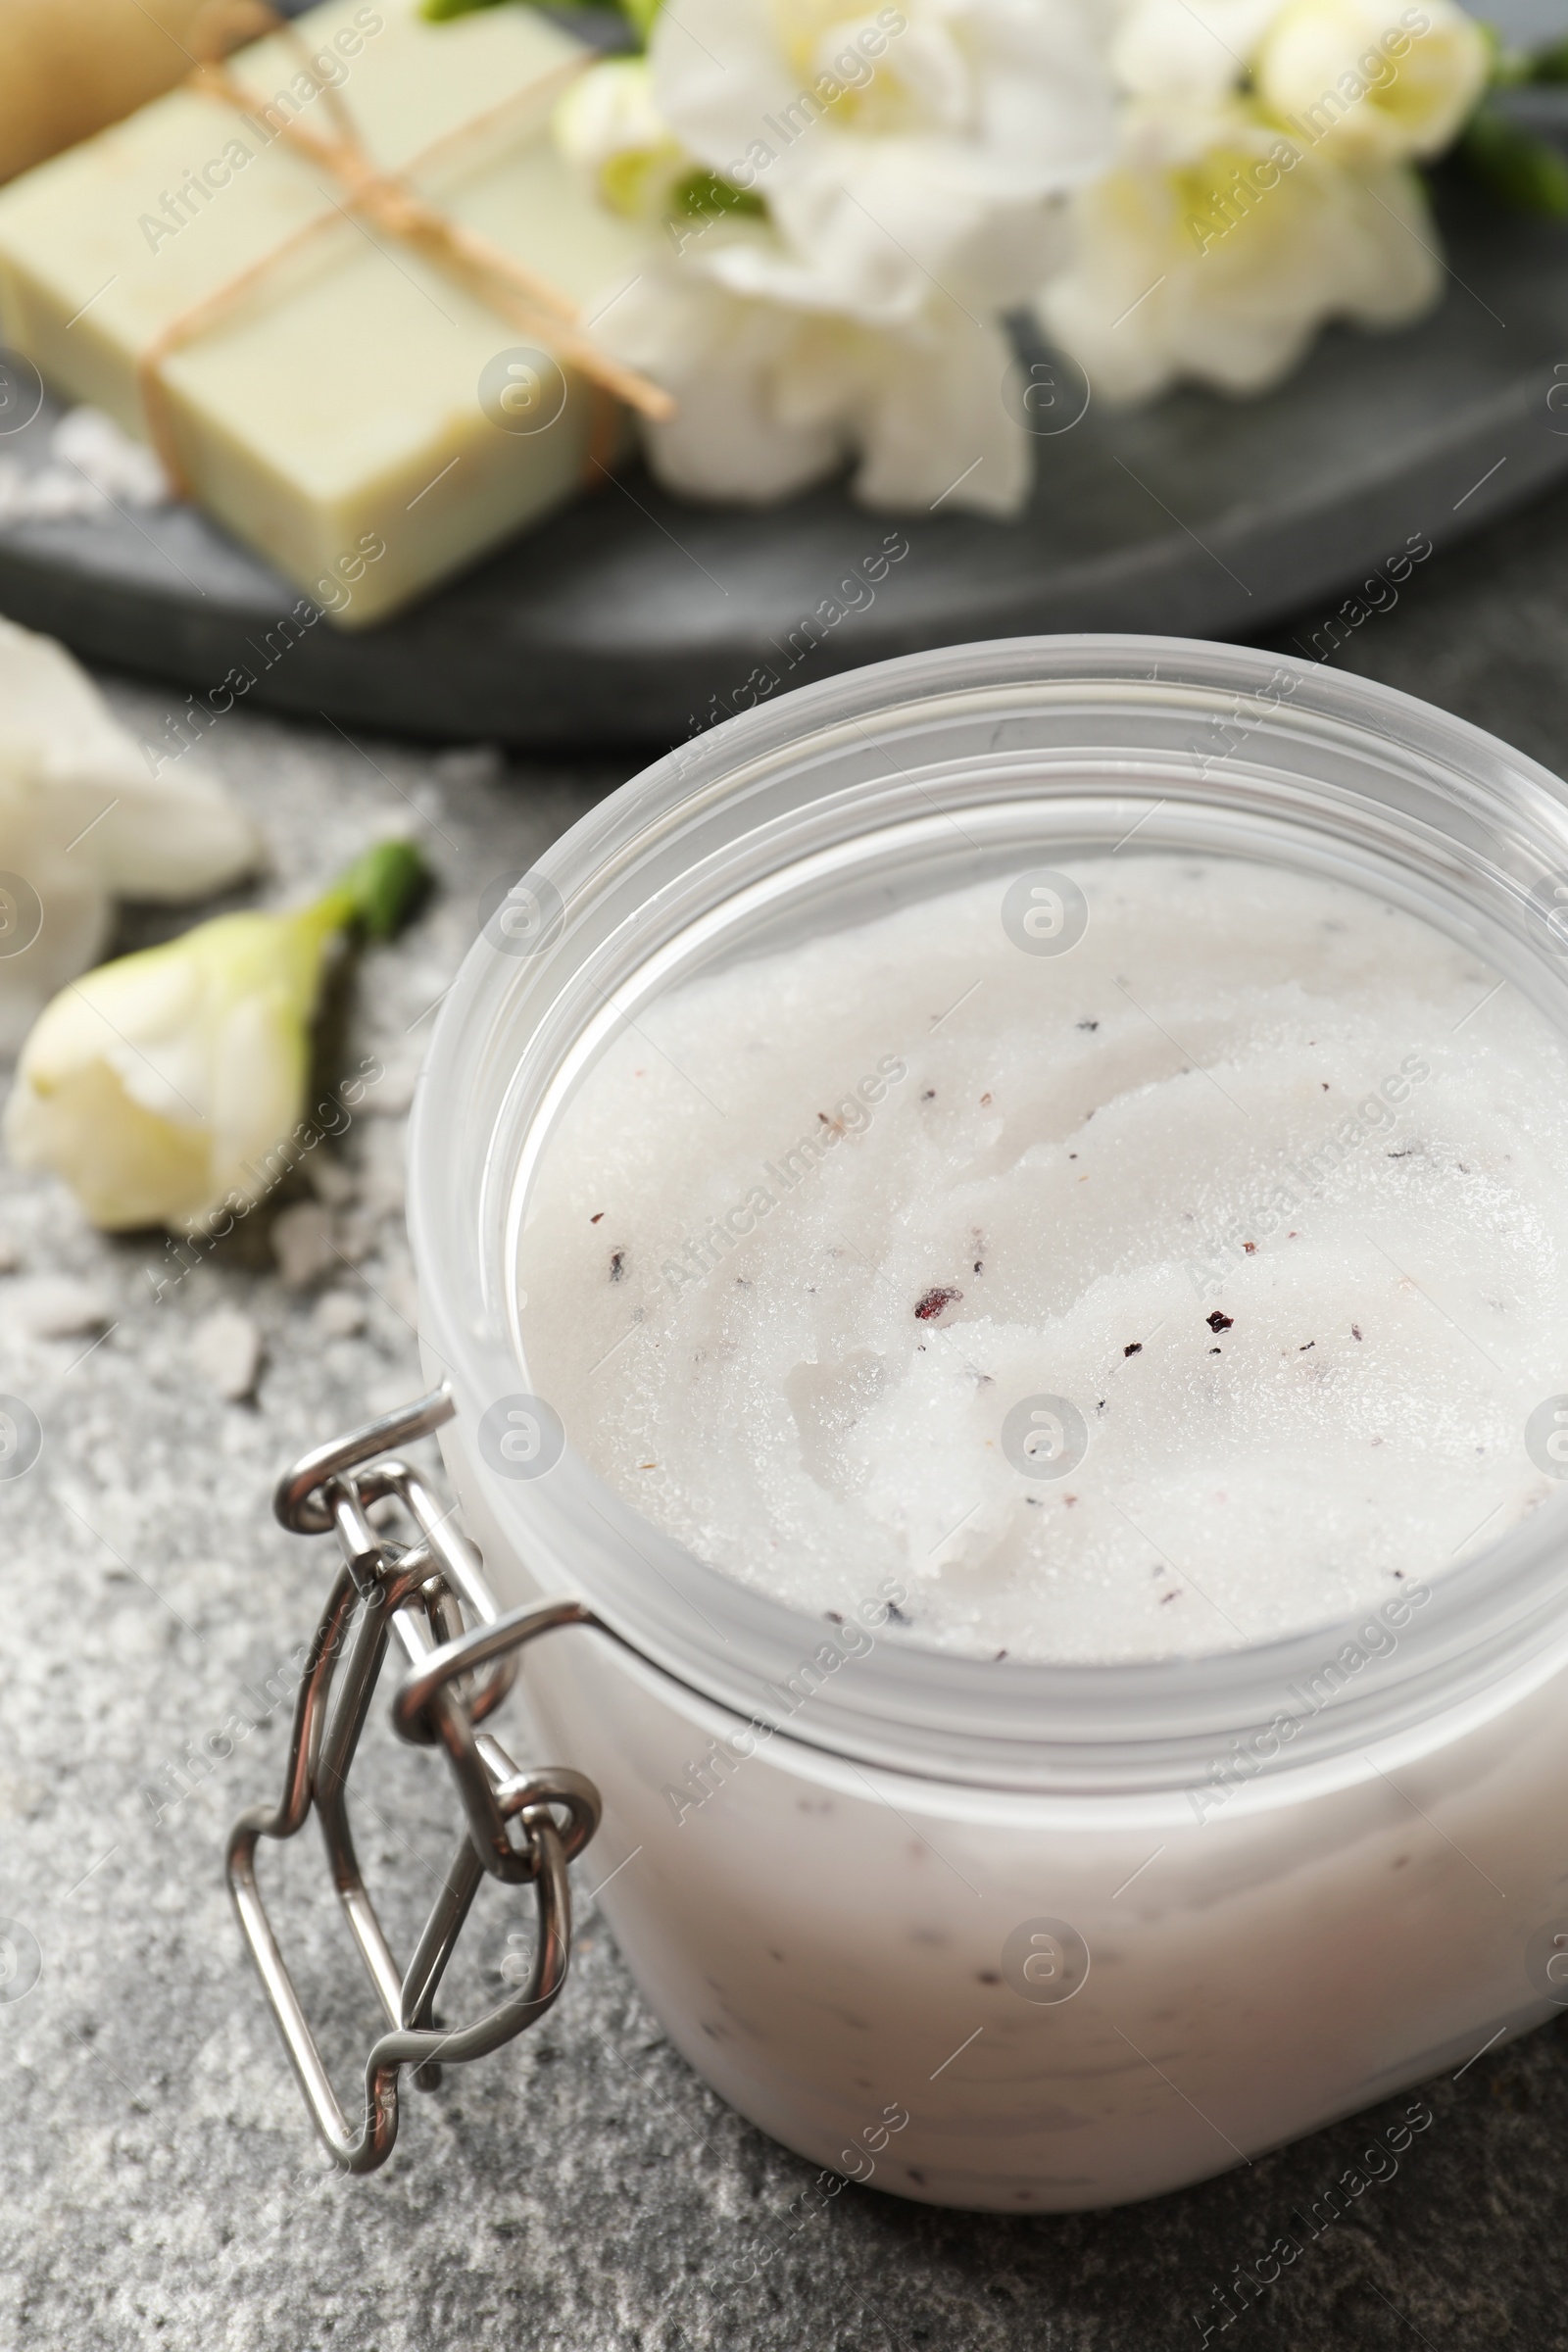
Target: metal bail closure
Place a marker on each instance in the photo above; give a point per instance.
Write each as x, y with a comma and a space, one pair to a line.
522, 1827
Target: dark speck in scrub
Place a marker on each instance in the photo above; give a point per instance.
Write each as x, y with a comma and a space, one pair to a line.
1089, 1024
896, 1615
987, 1976
1355, 1331
926, 1309
617, 1265
1219, 1322
930, 1094
599, 1220
1133, 1348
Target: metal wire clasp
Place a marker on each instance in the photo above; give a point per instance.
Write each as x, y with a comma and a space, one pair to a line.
522, 1827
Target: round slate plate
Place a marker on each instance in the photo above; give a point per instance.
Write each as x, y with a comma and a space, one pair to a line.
633, 616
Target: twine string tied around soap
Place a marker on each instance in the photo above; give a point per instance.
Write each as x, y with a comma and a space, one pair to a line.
385, 200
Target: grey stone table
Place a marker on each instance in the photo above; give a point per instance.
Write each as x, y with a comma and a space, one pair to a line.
157, 2183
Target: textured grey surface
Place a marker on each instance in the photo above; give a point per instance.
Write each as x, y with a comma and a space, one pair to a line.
581, 2190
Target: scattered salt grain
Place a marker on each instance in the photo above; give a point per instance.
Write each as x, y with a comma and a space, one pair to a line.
339, 1315
227, 1348
301, 1244
53, 1306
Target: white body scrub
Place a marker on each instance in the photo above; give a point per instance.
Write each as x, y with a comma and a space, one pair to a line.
1257, 1175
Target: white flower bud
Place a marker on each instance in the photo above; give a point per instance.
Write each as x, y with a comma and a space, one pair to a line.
167, 1088
609, 127
1373, 81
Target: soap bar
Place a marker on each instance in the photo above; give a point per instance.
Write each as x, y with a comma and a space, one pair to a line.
69, 67
362, 418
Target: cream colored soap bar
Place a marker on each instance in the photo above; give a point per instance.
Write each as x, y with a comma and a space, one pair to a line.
338, 409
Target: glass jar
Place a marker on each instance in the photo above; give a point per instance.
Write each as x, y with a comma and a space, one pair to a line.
1014, 1937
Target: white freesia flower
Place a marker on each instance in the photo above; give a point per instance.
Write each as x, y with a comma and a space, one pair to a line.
164, 1088
81, 820
925, 145
1218, 248
1372, 82
775, 388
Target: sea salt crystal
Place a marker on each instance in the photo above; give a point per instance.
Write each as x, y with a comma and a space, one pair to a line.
53, 1306
339, 1315
301, 1244
227, 1348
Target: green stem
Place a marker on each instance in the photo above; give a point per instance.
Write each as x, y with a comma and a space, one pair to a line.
376, 892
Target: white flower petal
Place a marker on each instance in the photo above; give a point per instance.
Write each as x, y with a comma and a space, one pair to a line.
773, 394
937, 428
172, 836
1196, 49
1205, 258
722, 355
927, 162
259, 1064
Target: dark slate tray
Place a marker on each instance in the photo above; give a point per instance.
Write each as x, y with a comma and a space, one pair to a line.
636, 618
